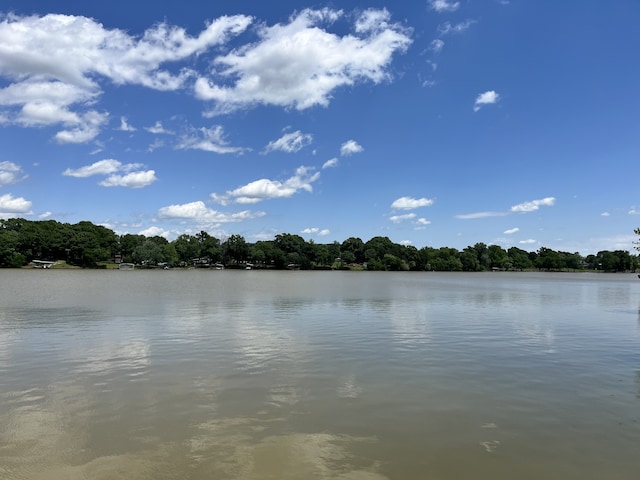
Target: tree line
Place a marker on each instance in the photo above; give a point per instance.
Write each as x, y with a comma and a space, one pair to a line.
88, 245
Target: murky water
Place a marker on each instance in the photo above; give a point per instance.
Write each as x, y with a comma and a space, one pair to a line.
319, 375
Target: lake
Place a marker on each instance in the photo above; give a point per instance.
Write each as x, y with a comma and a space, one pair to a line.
200, 374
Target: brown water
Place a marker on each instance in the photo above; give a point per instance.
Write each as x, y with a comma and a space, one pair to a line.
319, 375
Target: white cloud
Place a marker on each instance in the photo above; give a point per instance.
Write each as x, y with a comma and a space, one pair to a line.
299, 64
10, 173
265, 189
533, 205
208, 140
330, 163
290, 142
402, 218
316, 231
423, 222
102, 167
56, 62
11, 206
444, 5
158, 129
124, 126
436, 45
530, 241
350, 147
605, 214
448, 28
487, 98
634, 210
130, 180
133, 178
408, 203
198, 212
45, 215
511, 231
406, 243
155, 231
472, 216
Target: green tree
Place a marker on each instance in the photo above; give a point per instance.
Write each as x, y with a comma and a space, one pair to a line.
236, 249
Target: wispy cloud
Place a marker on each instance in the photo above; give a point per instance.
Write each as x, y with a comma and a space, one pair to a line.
208, 140
511, 231
290, 142
525, 207
158, 129
436, 45
473, 216
533, 205
330, 163
487, 98
448, 28
443, 5
124, 126
350, 147
266, 189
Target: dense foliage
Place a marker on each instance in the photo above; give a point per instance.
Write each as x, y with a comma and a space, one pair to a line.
87, 245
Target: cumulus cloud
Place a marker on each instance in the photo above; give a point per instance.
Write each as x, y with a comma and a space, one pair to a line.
55, 62
330, 163
511, 231
299, 64
487, 98
408, 203
11, 206
155, 231
10, 173
208, 140
265, 189
130, 180
133, 177
316, 231
290, 142
350, 147
402, 218
443, 5
423, 222
533, 205
197, 211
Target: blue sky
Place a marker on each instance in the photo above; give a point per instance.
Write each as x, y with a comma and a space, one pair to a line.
435, 123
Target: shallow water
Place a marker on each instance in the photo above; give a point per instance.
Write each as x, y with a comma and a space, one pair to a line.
318, 375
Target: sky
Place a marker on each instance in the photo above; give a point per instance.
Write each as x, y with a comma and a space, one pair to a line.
439, 123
